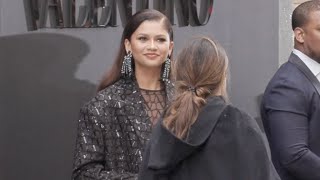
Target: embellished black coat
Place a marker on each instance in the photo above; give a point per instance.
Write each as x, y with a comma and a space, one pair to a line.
112, 132
223, 144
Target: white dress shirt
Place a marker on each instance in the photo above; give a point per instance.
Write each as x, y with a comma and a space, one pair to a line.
313, 65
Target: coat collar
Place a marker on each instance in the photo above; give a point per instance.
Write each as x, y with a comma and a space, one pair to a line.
166, 150
296, 61
311, 64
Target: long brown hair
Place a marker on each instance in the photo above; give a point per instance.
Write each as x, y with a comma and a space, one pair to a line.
200, 71
136, 20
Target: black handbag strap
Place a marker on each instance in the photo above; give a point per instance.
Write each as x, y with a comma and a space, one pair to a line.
306, 71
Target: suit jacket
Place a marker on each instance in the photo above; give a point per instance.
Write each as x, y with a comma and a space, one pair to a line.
112, 131
290, 112
223, 144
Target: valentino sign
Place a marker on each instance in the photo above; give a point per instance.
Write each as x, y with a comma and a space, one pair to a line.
103, 13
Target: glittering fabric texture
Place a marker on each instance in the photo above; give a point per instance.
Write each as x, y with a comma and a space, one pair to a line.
113, 129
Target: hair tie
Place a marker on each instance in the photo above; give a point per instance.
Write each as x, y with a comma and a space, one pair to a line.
192, 89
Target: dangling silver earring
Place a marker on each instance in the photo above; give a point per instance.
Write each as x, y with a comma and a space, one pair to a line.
126, 69
166, 70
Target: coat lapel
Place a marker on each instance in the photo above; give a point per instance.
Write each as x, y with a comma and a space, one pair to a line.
294, 59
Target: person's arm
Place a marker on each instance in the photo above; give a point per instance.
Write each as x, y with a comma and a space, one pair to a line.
89, 161
289, 137
287, 116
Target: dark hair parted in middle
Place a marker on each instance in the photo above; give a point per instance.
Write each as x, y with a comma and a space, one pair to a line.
200, 71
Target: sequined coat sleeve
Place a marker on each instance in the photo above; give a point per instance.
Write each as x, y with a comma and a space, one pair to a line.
112, 132
91, 150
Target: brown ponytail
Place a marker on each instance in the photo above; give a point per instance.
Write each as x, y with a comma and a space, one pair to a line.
200, 71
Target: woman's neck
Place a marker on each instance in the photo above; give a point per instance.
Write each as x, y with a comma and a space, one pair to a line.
148, 78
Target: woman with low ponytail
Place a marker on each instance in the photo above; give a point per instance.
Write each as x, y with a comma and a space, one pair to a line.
202, 136
200, 72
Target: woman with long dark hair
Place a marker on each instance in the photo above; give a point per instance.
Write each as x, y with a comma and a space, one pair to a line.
115, 125
201, 135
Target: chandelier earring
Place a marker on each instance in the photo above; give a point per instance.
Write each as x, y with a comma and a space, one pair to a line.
166, 70
126, 69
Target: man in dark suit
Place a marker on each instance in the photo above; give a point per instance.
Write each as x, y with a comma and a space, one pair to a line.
290, 106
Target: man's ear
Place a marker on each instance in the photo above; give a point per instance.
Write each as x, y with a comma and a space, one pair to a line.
127, 45
299, 34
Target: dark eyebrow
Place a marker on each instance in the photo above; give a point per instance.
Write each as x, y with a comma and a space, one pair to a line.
159, 35
142, 34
